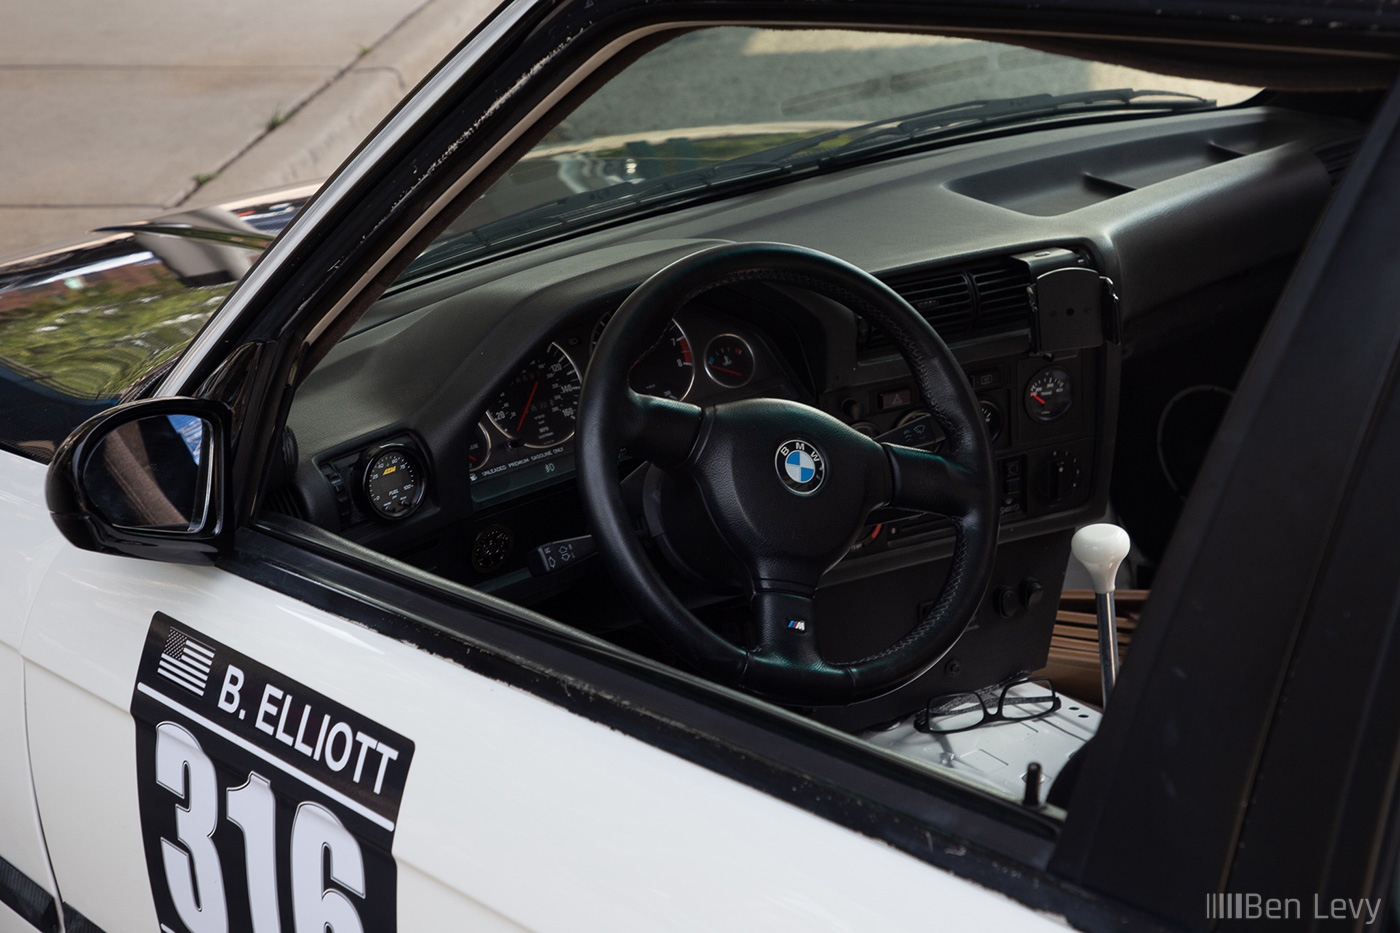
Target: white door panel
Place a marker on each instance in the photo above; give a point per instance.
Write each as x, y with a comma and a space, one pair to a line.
514, 811
21, 836
28, 543
573, 827
425, 903
84, 753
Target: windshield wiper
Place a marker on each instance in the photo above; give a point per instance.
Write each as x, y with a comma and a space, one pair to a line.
940, 122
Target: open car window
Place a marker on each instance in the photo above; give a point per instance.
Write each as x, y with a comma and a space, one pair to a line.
1014, 200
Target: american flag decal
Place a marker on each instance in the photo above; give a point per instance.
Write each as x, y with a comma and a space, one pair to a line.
186, 661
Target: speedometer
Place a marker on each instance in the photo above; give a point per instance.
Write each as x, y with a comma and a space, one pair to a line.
539, 406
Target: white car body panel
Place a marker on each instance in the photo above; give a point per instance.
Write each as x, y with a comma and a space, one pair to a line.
28, 543
516, 814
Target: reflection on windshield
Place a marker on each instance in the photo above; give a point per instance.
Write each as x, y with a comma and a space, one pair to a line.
94, 332
725, 96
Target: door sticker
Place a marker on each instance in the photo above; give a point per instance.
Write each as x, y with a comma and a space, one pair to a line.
265, 806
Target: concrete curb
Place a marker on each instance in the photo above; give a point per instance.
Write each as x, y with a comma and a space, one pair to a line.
323, 132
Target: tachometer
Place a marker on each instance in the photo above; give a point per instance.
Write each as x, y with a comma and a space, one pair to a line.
666, 370
539, 406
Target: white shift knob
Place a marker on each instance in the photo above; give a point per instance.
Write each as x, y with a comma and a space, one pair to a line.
1101, 548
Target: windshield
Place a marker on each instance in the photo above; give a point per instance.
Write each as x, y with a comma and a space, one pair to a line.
731, 108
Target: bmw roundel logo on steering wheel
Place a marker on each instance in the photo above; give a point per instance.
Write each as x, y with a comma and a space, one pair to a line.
800, 467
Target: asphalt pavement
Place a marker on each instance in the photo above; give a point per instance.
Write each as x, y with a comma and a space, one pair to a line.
115, 112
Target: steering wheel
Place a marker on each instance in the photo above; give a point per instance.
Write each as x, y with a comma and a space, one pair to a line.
787, 487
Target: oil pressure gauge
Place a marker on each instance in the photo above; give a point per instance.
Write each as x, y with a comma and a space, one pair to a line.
394, 481
1050, 394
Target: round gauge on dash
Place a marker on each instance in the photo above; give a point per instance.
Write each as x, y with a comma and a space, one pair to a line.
394, 481
667, 370
479, 451
539, 406
729, 361
1050, 394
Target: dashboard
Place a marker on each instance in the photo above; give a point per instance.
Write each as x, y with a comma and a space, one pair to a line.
441, 430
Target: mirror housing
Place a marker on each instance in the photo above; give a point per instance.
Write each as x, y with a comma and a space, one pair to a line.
146, 479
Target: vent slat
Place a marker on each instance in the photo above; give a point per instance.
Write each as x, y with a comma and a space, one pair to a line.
985, 298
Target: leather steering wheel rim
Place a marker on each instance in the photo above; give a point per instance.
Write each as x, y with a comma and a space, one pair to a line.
718, 447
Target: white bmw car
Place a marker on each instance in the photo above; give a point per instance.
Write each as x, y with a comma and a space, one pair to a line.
636, 492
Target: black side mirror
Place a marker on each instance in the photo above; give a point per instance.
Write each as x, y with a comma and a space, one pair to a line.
147, 479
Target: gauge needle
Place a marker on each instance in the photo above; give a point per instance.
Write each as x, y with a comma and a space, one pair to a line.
526, 410
723, 370
1038, 398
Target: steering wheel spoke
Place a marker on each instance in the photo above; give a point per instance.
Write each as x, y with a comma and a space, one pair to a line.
930, 483
658, 429
786, 627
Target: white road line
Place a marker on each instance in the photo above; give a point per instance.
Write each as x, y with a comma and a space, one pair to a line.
247, 746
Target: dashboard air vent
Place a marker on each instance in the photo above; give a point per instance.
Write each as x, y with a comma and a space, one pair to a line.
1336, 157
944, 299
1002, 300
987, 297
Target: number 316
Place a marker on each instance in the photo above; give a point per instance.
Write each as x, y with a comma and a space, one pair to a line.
195, 875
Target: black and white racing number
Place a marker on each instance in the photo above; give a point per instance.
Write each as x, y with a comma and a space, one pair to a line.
183, 769
252, 822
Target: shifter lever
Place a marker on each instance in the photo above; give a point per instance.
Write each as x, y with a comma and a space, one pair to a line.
1101, 548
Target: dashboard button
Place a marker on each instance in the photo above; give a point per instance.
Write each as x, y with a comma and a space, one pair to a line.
896, 398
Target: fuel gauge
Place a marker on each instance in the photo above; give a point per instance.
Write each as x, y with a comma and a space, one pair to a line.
479, 451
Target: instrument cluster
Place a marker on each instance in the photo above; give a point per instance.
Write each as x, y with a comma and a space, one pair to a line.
524, 437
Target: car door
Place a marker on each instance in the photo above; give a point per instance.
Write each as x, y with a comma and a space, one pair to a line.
212, 754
